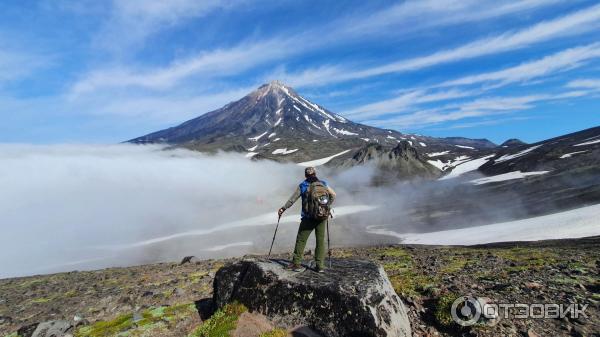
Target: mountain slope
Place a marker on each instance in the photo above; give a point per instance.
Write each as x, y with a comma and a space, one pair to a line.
274, 122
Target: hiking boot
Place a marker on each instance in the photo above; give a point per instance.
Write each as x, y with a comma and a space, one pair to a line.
294, 267
320, 269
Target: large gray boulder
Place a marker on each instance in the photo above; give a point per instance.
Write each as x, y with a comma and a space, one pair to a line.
47, 329
353, 298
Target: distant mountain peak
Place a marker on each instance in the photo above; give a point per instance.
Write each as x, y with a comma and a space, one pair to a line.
513, 142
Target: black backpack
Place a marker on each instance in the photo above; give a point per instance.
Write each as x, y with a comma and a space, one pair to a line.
318, 201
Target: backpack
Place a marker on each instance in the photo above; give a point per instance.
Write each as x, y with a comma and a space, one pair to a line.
318, 201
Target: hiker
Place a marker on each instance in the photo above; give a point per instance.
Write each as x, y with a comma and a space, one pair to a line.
313, 217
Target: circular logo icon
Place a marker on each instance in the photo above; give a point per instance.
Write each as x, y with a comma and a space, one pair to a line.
466, 311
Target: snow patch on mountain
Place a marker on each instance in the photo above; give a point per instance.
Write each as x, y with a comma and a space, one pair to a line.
345, 132
438, 163
467, 166
506, 176
465, 147
582, 222
284, 151
437, 154
588, 143
569, 155
516, 155
258, 137
322, 161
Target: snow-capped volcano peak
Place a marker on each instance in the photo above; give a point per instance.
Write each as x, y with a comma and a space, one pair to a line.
296, 104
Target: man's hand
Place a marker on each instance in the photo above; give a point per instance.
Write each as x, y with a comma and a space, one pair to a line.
280, 211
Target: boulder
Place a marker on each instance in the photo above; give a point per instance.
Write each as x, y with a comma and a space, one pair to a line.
47, 329
190, 259
352, 298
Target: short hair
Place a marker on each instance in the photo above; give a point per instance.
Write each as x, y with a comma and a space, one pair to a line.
310, 171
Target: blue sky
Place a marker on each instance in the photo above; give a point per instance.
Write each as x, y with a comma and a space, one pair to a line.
92, 71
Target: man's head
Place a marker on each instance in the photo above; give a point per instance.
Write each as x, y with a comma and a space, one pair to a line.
310, 172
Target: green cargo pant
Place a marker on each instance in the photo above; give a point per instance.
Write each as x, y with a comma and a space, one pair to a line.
306, 227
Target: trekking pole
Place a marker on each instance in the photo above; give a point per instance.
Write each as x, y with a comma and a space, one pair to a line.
274, 234
328, 244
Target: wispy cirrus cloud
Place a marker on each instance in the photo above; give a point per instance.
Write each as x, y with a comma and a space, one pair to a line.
215, 63
248, 54
482, 107
132, 21
414, 15
403, 102
586, 83
562, 61
575, 23
549, 65
18, 61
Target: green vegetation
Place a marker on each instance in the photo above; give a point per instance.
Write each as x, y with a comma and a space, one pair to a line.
107, 328
160, 318
404, 276
526, 258
442, 309
222, 322
41, 300
275, 333
14, 334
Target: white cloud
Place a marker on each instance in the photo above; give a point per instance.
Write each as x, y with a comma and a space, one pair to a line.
574, 23
588, 83
410, 16
562, 61
18, 61
132, 21
403, 102
216, 63
482, 107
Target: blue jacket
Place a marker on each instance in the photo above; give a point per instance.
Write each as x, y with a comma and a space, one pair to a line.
300, 192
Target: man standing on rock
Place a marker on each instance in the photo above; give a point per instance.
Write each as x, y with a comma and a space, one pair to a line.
317, 199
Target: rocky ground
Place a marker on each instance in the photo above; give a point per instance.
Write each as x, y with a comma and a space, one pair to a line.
171, 299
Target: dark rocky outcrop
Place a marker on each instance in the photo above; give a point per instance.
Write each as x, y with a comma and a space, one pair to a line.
352, 298
401, 161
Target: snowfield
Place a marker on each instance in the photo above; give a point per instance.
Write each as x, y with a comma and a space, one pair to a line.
436, 154
465, 167
576, 223
516, 155
284, 151
258, 137
506, 176
322, 161
569, 155
588, 143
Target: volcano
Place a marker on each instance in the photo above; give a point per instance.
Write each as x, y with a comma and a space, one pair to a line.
274, 122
